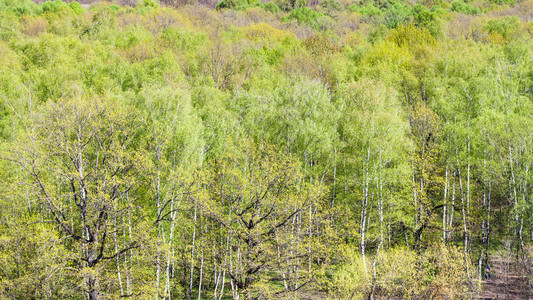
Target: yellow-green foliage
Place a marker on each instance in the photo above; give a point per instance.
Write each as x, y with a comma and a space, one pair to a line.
444, 272
353, 279
33, 26
265, 33
396, 273
274, 151
9, 26
438, 272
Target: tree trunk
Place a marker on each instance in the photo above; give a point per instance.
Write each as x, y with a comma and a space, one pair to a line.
444, 209
93, 291
189, 293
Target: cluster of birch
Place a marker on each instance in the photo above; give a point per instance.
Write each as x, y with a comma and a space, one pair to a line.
170, 153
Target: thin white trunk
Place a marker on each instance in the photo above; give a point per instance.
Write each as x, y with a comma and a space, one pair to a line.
115, 241
380, 183
444, 206
451, 213
468, 196
160, 228
130, 277
310, 236
192, 253
201, 275
364, 209
515, 197
283, 273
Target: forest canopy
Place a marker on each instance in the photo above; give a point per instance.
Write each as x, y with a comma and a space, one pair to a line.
334, 149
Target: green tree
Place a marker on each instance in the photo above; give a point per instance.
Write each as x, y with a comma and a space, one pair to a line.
375, 147
259, 199
81, 158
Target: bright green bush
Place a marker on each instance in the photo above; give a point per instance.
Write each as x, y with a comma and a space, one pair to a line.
238, 4
426, 19
20, 7
465, 8
53, 6
145, 6
397, 13
307, 16
271, 7
184, 40
505, 26
76, 7
132, 36
367, 10
148, 3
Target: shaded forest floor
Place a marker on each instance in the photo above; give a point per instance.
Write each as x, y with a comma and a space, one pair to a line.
508, 280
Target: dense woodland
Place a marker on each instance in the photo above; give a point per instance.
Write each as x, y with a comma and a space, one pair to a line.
334, 149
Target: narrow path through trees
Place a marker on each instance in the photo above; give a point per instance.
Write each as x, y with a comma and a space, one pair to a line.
508, 280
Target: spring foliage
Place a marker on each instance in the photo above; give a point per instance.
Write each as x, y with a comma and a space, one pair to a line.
289, 149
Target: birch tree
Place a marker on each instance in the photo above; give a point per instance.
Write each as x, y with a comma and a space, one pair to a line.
82, 157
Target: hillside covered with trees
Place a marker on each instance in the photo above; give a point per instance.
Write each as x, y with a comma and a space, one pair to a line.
292, 149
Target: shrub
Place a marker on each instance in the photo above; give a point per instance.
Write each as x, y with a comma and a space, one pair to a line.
465, 8
53, 6
271, 7
444, 272
238, 4
425, 18
33, 26
397, 13
352, 280
131, 36
396, 273
419, 41
114, 8
439, 272
9, 26
103, 21
504, 26
148, 4
184, 40
367, 10
76, 7
320, 45
20, 7
304, 15
138, 52
502, 2
265, 32
332, 5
